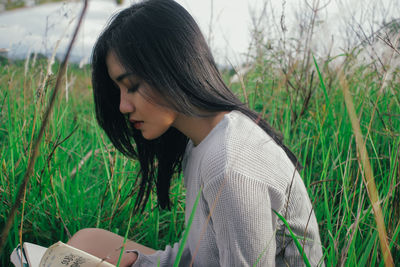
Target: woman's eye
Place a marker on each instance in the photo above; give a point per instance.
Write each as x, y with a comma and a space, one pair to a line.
133, 88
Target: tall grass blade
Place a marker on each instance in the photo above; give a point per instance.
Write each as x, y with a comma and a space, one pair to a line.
187, 229
125, 239
294, 237
367, 250
368, 174
325, 91
35, 150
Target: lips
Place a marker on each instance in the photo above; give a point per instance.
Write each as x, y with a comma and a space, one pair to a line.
136, 124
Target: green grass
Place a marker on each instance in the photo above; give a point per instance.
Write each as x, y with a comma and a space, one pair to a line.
80, 181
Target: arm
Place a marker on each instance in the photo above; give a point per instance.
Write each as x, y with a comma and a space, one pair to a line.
162, 257
242, 220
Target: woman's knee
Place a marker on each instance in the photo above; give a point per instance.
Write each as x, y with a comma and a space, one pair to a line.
85, 235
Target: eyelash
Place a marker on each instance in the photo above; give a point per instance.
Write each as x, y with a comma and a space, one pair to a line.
133, 88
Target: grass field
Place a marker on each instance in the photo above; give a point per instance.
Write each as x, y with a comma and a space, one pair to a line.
80, 181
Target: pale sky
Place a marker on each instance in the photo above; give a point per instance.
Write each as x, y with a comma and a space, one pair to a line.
37, 29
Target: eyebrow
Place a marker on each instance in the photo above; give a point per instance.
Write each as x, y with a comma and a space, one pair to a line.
123, 76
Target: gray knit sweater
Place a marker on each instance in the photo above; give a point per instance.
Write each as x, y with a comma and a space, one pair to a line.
244, 176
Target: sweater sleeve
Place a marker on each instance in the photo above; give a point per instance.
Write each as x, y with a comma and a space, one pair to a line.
242, 220
162, 257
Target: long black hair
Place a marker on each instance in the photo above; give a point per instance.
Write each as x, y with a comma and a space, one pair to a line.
159, 41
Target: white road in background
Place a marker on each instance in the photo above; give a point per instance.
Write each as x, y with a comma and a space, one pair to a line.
37, 29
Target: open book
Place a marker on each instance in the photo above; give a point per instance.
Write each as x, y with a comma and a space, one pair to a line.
58, 254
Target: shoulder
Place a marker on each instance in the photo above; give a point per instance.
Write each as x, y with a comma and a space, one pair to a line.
239, 145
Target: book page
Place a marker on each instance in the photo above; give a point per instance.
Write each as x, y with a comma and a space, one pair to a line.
17, 258
61, 254
33, 253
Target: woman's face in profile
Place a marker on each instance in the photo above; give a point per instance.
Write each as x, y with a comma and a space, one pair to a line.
145, 114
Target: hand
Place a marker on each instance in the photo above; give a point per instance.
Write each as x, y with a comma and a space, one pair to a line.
128, 258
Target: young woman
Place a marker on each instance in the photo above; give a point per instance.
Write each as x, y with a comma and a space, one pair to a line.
161, 99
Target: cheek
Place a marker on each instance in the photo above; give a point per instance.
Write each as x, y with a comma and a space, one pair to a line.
159, 121
162, 116
166, 120
169, 118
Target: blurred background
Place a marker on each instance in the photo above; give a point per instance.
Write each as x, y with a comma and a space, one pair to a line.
232, 27
295, 62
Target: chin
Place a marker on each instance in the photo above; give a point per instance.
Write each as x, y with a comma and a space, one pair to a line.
152, 136
148, 137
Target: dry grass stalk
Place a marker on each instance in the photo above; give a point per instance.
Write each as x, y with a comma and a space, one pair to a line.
35, 151
386, 74
368, 176
50, 64
83, 161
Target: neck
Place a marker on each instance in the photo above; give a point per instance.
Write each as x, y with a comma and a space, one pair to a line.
197, 128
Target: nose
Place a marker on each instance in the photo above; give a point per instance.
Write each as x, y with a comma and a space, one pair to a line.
125, 106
